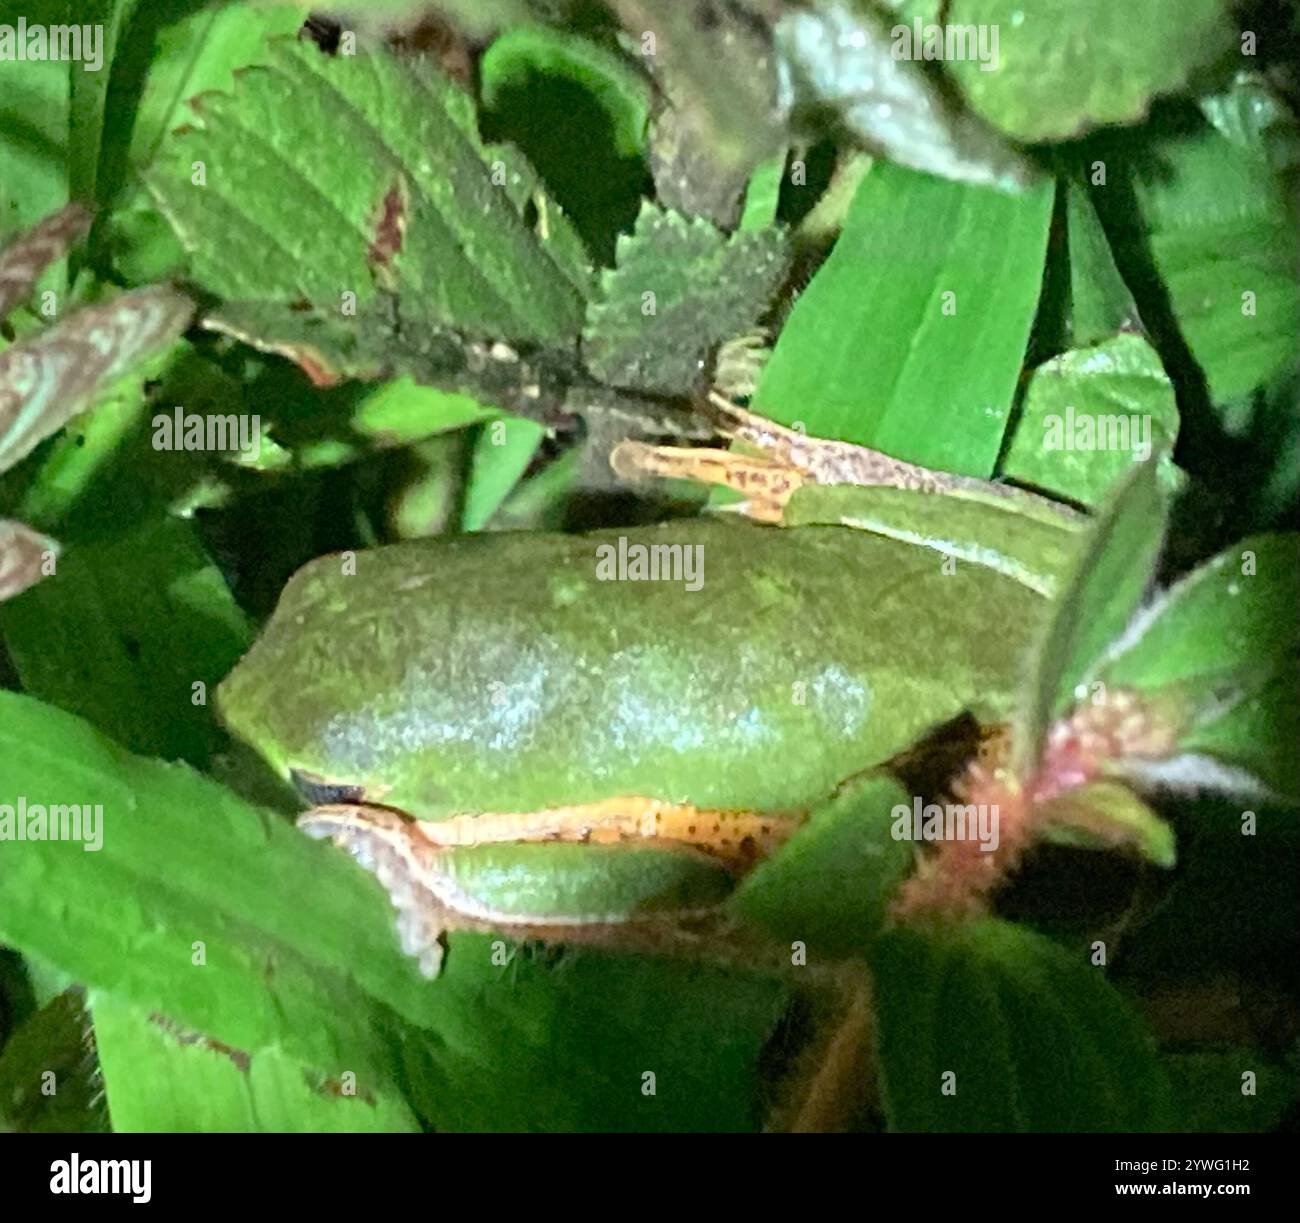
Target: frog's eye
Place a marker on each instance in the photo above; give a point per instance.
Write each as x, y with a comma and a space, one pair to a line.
320, 792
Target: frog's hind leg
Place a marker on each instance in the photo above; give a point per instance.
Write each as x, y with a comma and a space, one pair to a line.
382, 842
777, 461
738, 838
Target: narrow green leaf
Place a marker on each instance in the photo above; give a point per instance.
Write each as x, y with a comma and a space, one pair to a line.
502, 452
913, 347
1112, 573
1101, 305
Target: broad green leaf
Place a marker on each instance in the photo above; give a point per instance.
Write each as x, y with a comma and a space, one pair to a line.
1226, 643
54, 1041
125, 630
989, 1027
410, 224
162, 1078
911, 336
229, 922
1035, 550
1089, 415
843, 59
1222, 233
680, 288
502, 452
1256, 734
829, 888
1227, 619
1059, 67
1111, 574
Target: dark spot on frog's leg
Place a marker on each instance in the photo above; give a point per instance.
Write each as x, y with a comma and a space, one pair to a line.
320, 792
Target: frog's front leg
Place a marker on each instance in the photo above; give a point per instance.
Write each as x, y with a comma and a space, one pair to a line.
788, 459
739, 839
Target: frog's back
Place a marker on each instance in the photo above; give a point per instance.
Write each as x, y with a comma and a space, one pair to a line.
514, 672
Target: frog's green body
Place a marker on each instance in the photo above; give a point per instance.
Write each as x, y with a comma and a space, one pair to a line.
500, 673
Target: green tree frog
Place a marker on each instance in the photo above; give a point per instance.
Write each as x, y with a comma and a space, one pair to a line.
535, 731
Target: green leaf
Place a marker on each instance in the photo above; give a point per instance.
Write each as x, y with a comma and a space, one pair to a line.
1089, 415
163, 1078
411, 212
1101, 305
1113, 571
197, 53
1035, 1038
89, 92
502, 452
1063, 66
53, 1041
875, 353
1209, 1087
1225, 641
680, 288
829, 888
1106, 814
34, 138
212, 913
1231, 617
123, 632
1218, 224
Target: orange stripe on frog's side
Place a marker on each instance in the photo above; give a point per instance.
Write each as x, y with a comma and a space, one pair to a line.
740, 838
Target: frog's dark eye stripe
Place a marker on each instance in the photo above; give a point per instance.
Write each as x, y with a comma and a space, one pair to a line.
320, 792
